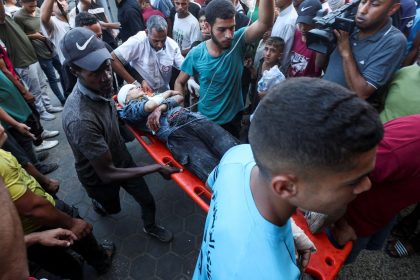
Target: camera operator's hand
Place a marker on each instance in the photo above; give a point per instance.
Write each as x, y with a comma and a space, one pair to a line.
343, 42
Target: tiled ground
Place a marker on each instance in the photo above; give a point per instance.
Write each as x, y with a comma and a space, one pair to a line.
139, 257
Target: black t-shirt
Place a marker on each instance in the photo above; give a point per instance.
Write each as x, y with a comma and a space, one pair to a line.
90, 123
131, 19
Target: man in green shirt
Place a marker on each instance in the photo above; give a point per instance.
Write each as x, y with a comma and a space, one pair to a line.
28, 18
403, 96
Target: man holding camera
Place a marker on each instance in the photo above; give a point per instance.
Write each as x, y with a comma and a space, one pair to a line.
366, 59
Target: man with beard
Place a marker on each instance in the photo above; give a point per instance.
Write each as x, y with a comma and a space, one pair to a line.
90, 122
366, 59
219, 63
152, 54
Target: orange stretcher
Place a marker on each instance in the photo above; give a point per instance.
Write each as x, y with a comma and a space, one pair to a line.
324, 264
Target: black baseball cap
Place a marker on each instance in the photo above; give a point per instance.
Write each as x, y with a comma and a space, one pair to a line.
81, 47
307, 11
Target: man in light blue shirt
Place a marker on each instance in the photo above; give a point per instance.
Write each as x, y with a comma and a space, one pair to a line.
312, 145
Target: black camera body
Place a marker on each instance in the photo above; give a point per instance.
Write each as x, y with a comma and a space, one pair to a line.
322, 38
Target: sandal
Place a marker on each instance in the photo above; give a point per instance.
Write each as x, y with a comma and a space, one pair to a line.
399, 249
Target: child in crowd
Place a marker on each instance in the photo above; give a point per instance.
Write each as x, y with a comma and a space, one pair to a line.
195, 142
271, 57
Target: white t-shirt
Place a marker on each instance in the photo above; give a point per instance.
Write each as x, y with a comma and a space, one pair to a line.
154, 66
285, 27
60, 28
11, 10
186, 31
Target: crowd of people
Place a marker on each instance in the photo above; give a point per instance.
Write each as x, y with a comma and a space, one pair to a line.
272, 105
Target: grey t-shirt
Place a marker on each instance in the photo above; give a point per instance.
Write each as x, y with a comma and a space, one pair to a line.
90, 123
377, 56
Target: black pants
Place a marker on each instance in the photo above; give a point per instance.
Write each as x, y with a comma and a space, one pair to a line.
234, 126
25, 142
34, 122
59, 261
12, 146
108, 195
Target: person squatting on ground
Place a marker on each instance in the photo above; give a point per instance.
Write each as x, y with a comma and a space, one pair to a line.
312, 144
90, 121
195, 142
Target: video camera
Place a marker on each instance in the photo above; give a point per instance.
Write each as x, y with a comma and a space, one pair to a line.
322, 38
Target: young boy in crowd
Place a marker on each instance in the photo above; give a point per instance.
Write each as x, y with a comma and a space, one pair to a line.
272, 56
195, 142
302, 59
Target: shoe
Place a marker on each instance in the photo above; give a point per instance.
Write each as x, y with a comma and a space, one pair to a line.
45, 145
46, 116
109, 250
46, 168
49, 133
53, 109
316, 221
42, 156
159, 233
98, 208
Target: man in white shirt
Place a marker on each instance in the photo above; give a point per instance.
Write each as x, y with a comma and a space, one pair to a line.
186, 28
151, 53
285, 26
56, 25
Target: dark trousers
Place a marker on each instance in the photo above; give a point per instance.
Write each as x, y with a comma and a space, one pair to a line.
12, 146
48, 66
59, 261
69, 80
108, 195
200, 145
25, 142
234, 126
34, 122
373, 243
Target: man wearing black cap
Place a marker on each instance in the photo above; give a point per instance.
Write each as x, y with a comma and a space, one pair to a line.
302, 59
90, 122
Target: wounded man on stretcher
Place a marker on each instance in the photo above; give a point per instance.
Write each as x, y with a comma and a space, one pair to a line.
194, 141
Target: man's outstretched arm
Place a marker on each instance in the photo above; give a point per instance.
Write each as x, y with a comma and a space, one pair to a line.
46, 13
265, 20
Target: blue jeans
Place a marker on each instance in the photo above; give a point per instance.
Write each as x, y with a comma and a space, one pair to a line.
48, 66
200, 145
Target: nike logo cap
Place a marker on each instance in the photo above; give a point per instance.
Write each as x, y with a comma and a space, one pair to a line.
81, 47
307, 11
